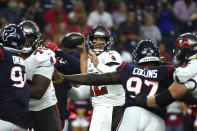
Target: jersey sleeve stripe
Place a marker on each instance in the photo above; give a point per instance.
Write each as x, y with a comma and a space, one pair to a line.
170, 67
122, 66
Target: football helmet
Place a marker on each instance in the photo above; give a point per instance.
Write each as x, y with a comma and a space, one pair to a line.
146, 51
33, 34
186, 47
99, 31
13, 38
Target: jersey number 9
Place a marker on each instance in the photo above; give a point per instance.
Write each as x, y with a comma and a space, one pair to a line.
18, 77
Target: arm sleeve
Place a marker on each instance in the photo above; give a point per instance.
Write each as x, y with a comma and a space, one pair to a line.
74, 63
72, 67
67, 64
163, 99
80, 93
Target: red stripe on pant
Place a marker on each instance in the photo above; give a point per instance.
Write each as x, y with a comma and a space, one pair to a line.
58, 115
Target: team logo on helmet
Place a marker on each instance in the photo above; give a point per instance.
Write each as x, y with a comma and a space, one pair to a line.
146, 51
6, 33
13, 38
180, 43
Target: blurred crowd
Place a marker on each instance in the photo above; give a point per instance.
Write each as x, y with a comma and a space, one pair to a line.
129, 21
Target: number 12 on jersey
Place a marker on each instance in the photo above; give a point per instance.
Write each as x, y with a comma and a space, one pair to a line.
98, 90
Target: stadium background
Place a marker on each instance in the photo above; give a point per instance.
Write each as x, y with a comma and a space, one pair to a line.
129, 21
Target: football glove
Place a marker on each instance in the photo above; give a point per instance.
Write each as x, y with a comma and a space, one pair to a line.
141, 100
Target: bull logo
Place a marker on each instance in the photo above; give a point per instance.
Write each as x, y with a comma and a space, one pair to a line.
6, 33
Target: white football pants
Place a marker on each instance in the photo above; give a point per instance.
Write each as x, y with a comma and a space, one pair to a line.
139, 119
8, 126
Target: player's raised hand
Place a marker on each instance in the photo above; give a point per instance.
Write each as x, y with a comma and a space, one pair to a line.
93, 58
59, 77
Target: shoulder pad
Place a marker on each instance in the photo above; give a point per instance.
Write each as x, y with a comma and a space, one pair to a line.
111, 56
186, 72
44, 55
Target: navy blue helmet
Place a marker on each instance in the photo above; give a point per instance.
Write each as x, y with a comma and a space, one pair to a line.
146, 51
186, 47
100, 31
13, 38
33, 34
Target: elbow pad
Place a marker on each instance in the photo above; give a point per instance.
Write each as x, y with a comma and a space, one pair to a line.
163, 99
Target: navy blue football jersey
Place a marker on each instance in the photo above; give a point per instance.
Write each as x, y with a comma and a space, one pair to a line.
14, 93
147, 81
66, 64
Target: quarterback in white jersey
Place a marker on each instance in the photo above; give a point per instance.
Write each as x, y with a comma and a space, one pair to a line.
107, 100
185, 76
105, 95
39, 63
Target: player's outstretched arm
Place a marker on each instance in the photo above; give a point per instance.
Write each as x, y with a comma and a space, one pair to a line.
90, 78
174, 92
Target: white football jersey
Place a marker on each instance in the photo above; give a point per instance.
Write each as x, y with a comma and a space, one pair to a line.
106, 95
41, 61
186, 74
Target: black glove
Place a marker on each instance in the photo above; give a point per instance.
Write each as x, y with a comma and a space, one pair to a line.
141, 100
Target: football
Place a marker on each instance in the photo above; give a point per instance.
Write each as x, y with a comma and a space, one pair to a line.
71, 40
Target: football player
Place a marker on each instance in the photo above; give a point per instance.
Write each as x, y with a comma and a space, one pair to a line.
39, 62
14, 92
185, 76
107, 100
66, 64
148, 76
